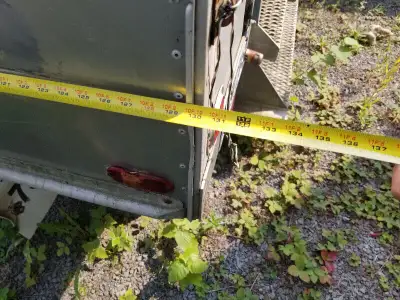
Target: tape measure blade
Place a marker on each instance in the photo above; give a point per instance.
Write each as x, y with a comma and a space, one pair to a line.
286, 131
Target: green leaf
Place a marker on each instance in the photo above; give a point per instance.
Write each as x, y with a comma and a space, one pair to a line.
177, 271
313, 278
181, 222
59, 244
319, 272
304, 276
169, 231
300, 262
27, 252
41, 256
292, 270
254, 160
314, 77
317, 57
194, 226
294, 99
98, 213
298, 81
194, 279
287, 249
60, 252
350, 41
29, 281
270, 192
342, 53
236, 204
273, 206
109, 221
185, 240
4, 293
90, 246
115, 242
196, 265
261, 165
101, 253
329, 59
128, 295
67, 251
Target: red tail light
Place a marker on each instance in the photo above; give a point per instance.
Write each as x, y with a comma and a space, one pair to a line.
140, 180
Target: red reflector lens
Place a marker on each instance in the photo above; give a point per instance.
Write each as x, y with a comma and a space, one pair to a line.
140, 180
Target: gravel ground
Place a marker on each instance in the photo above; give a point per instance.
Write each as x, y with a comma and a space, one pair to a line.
141, 272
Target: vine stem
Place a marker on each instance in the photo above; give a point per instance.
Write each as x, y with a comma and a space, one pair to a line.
254, 282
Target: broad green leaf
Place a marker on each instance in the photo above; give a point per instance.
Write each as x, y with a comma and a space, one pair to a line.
33, 252
270, 192
109, 221
177, 271
317, 57
261, 164
350, 41
254, 160
300, 262
194, 279
304, 276
90, 246
181, 222
169, 231
60, 252
342, 53
294, 99
196, 264
313, 278
273, 206
314, 77
59, 244
29, 281
319, 272
298, 81
41, 256
236, 204
101, 253
115, 242
194, 225
27, 252
67, 251
329, 59
4, 293
185, 240
98, 213
128, 295
292, 270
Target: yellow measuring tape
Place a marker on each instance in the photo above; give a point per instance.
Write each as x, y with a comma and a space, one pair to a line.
308, 135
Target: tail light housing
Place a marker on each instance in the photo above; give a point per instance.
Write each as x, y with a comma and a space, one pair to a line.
140, 180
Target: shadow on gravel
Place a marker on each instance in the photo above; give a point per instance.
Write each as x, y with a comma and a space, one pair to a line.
58, 271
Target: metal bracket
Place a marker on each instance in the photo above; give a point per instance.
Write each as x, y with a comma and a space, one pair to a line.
260, 41
256, 94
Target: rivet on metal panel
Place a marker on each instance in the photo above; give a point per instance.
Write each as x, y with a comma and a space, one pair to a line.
176, 54
181, 131
182, 166
178, 96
